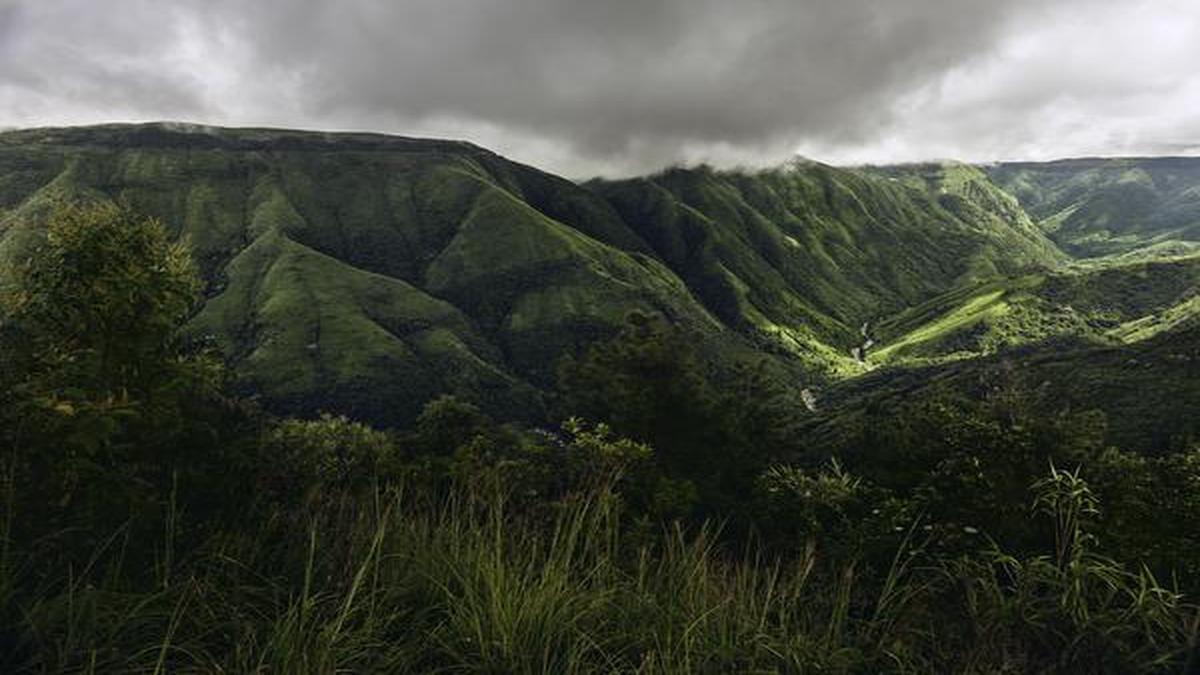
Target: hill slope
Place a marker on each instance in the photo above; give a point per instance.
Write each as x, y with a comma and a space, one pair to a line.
1112, 303
366, 273
1148, 390
369, 273
809, 253
1096, 207
362, 273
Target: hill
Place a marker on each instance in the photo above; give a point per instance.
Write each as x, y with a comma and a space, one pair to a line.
362, 273
1115, 302
810, 253
1148, 390
367, 274
1098, 207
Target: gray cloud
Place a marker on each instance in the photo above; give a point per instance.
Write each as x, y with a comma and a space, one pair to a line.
68, 56
628, 85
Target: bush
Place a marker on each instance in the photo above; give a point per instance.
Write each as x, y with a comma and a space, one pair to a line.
847, 516
1075, 610
305, 459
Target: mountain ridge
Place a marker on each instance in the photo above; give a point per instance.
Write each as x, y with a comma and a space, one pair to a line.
368, 273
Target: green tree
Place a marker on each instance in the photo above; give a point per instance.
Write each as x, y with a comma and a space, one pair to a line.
649, 384
103, 410
303, 460
968, 461
446, 424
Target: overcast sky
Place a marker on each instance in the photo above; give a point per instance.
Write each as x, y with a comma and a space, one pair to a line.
586, 87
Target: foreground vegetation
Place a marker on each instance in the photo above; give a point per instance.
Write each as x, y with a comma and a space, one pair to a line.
153, 522
476, 584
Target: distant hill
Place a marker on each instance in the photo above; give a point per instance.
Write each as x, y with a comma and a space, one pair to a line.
809, 252
1117, 302
1149, 390
1097, 207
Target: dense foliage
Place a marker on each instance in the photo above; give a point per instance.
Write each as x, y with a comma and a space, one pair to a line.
103, 412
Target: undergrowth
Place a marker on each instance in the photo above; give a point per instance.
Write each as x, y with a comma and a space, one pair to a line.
472, 582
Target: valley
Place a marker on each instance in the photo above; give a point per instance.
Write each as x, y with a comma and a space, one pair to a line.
599, 338
368, 274
401, 405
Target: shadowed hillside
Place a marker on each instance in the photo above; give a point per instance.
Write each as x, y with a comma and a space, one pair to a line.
369, 273
1148, 390
363, 273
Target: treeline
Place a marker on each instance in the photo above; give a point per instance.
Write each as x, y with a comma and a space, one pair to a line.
665, 520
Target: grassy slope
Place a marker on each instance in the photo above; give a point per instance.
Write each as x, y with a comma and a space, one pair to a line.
807, 253
1149, 389
366, 273
1097, 207
1114, 302
357, 272
970, 194
1118, 333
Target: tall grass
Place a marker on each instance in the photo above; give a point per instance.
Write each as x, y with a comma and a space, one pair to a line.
393, 583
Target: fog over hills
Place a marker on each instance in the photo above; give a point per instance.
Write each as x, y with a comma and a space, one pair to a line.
635, 86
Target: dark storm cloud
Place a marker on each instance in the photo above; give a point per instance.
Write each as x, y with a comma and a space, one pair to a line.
609, 77
621, 85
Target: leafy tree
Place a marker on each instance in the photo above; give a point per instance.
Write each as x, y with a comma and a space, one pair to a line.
104, 412
448, 423
830, 507
97, 305
542, 467
648, 384
968, 461
1152, 507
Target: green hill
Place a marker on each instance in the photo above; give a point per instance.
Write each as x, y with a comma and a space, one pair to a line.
362, 273
1116, 302
1149, 390
367, 273
809, 253
1097, 207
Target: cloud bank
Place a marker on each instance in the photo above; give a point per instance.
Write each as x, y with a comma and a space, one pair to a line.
624, 86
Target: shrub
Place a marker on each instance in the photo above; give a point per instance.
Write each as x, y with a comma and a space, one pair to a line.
303, 459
